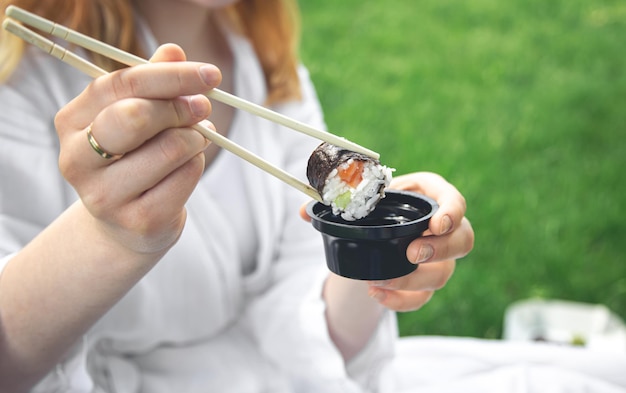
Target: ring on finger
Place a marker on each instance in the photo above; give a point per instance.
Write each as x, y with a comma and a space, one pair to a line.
98, 149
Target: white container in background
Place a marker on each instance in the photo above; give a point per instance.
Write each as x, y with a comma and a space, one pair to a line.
593, 326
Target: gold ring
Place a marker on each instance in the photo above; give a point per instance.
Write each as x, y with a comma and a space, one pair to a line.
98, 149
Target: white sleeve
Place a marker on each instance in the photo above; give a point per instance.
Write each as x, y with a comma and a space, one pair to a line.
288, 320
69, 375
32, 191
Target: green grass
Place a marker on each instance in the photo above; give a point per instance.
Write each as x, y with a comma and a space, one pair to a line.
522, 105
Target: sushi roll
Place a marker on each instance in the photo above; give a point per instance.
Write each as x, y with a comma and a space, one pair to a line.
351, 183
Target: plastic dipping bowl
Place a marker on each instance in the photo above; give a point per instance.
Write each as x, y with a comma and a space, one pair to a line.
374, 247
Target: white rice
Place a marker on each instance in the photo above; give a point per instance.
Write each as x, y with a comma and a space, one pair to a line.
364, 197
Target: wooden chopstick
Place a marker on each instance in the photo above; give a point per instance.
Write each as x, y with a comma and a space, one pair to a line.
129, 59
220, 140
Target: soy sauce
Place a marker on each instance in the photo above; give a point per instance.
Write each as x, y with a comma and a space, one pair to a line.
392, 213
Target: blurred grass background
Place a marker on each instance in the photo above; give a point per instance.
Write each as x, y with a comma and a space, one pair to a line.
522, 105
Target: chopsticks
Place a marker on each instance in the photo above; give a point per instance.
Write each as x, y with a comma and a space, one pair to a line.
109, 51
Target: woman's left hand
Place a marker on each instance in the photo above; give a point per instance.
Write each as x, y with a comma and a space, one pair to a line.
352, 316
449, 236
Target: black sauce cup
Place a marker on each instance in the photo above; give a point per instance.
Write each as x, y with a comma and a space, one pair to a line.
374, 247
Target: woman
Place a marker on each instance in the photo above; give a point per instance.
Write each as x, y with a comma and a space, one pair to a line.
158, 264
161, 264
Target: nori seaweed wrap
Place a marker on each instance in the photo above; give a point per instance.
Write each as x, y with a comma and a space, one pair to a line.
350, 182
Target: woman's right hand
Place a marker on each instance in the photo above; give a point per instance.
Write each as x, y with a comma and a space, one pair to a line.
144, 113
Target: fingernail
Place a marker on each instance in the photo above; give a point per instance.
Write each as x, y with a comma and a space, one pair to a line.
381, 283
209, 75
446, 224
198, 106
424, 253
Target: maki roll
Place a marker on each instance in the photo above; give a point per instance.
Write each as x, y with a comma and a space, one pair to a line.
351, 183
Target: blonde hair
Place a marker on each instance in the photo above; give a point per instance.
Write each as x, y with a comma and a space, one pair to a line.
272, 26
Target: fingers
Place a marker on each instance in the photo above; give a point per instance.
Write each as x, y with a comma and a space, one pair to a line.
125, 125
455, 244
140, 171
450, 234
412, 291
126, 108
452, 205
401, 301
160, 80
427, 277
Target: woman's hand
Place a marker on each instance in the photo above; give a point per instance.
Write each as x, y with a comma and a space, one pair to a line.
450, 236
353, 316
143, 113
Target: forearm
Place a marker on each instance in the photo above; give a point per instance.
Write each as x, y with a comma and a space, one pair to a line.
54, 289
351, 314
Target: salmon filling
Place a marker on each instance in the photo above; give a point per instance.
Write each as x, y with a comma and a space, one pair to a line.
352, 174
